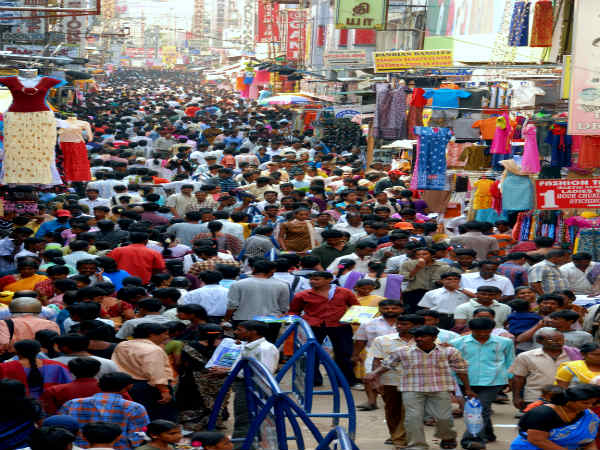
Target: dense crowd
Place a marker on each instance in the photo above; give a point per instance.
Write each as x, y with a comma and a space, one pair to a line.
207, 215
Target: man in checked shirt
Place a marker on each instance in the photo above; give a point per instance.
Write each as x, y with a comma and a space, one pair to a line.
426, 382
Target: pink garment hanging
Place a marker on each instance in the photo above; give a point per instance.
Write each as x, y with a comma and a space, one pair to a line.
262, 76
500, 144
530, 163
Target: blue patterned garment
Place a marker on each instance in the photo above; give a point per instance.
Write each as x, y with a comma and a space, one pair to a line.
432, 157
518, 35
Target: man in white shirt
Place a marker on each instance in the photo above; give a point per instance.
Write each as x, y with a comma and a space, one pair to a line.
182, 202
576, 273
92, 199
353, 226
252, 334
79, 252
445, 300
212, 296
486, 298
362, 255
487, 276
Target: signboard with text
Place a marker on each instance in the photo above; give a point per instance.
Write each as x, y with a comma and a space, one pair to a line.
584, 100
400, 60
346, 59
296, 34
362, 14
566, 193
268, 28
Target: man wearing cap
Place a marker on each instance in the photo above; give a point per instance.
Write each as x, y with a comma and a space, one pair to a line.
23, 323
61, 222
393, 179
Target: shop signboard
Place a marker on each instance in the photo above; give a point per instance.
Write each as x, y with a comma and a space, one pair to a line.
349, 111
38, 50
139, 52
268, 28
74, 27
296, 34
400, 60
584, 101
346, 59
566, 193
362, 14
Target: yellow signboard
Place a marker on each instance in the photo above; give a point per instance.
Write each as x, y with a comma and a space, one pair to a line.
362, 14
395, 61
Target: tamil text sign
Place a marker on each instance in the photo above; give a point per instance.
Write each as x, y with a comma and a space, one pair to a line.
296, 34
563, 193
365, 14
395, 61
584, 101
268, 29
346, 59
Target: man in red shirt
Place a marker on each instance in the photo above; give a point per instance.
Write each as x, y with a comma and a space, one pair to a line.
137, 259
85, 385
323, 306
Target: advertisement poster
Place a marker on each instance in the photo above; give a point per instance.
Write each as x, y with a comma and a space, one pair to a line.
296, 33
359, 314
268, 28
346, 59
394, 61
362, 14
584, 101
561, 193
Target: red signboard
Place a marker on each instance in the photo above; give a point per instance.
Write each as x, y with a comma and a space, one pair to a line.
268, 28
565, 193
296, 34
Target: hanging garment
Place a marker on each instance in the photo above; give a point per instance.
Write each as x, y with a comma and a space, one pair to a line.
475, 158
517, 192
390, 115
500, 143
482, 197
589, 241
589, 152
76, 164
543, 24
415, 111
531, 157
432, 157
29, 133
542, 131
518, 35
561, 145
496, 196
453, 152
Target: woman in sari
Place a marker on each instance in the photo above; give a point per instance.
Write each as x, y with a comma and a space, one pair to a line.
566, 422
298, 235
26, 279
580, 372
36, 374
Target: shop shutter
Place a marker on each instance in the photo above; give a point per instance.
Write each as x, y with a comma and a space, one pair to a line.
364, 37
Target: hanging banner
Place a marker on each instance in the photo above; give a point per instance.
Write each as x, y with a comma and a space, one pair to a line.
584, 101
268, 26
346, 59
75, 27
562, 194
365, 14
296, 34
395, 61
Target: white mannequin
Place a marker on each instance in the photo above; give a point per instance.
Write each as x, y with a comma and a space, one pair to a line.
28, 77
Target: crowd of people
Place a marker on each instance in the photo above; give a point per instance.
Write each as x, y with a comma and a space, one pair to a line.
206, 213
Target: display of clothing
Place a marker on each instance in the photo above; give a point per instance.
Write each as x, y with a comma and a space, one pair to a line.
453, 152
432, 157
560, 143
479, 98
482, 197
502, 135
589, 152
463, 128
390, 113
542, 25
588, 241
517, 189
445, 98
518, 35
415, 111
29, 131
531, 156
75, 156
487, 128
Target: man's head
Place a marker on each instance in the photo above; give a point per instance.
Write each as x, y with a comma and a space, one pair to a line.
432, 318
550, 339
365, 248
84, 367
450, 280
320, 280
154, 332
558, 256
563, 320
548, 303
519, 258
487, 269
25, 305
425, 336
87, 267
582, 260
62, 215
405, 322
481, 328
251, 330
503, 226
115, 382
487, 294
465, 256
192, 312
92, 193
424, 253
101, 434
334, 238
389, 308
71, 343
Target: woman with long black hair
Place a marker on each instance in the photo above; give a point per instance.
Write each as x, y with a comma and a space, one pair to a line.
18, 417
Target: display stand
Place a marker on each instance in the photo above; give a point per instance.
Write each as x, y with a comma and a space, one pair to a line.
309, 354
268, 407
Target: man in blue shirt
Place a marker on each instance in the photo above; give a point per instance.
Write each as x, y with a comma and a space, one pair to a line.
61, 222
489, 358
